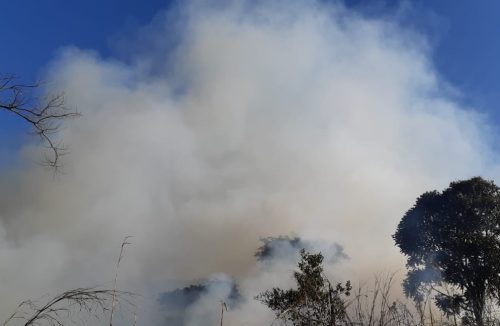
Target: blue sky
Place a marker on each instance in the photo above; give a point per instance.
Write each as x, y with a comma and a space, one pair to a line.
38, 29
463, 35
464, 43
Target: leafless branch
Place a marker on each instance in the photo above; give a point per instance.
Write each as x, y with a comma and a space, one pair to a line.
45, 115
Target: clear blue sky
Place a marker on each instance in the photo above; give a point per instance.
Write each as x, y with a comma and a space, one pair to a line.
464, 34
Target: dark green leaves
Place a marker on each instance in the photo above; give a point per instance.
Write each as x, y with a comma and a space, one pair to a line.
452, 238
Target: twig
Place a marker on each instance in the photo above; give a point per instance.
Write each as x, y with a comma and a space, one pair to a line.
45, 115
113, 303
223, 307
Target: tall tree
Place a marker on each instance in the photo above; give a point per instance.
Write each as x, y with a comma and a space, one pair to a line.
452, 243
315, 301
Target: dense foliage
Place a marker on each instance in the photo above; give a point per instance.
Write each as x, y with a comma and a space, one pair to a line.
451, 240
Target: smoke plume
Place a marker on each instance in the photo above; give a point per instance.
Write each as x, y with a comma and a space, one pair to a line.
221, 124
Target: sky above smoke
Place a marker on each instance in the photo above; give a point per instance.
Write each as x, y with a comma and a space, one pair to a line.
224, 124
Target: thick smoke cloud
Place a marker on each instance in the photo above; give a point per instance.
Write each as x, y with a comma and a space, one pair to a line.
256, 120
288, 248
194, 304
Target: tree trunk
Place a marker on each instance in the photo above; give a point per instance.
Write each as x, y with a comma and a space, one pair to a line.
479, 318
478, 312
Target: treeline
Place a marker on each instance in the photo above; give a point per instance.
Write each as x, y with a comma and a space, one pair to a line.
451, 240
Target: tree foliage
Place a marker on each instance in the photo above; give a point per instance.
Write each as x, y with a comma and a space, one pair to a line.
452, 243
315, 301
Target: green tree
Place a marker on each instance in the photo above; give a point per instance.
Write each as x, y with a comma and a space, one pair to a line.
315, 301
452, 243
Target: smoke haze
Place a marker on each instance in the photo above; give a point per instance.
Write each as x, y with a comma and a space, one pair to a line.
254, 120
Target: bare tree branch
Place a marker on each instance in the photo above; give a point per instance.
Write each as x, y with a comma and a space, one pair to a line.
45, 115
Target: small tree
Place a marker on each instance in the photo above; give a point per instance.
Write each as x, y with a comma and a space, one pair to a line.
452, 241
314, 302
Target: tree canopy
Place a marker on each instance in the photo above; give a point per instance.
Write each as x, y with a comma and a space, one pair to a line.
452, 243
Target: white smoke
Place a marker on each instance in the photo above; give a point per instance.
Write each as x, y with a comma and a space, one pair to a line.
263, 119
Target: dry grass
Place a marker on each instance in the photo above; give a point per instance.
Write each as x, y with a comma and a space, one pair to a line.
82, 306
376, 305
77, 306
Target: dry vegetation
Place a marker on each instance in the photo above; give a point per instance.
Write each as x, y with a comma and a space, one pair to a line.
44, 114
81, 306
